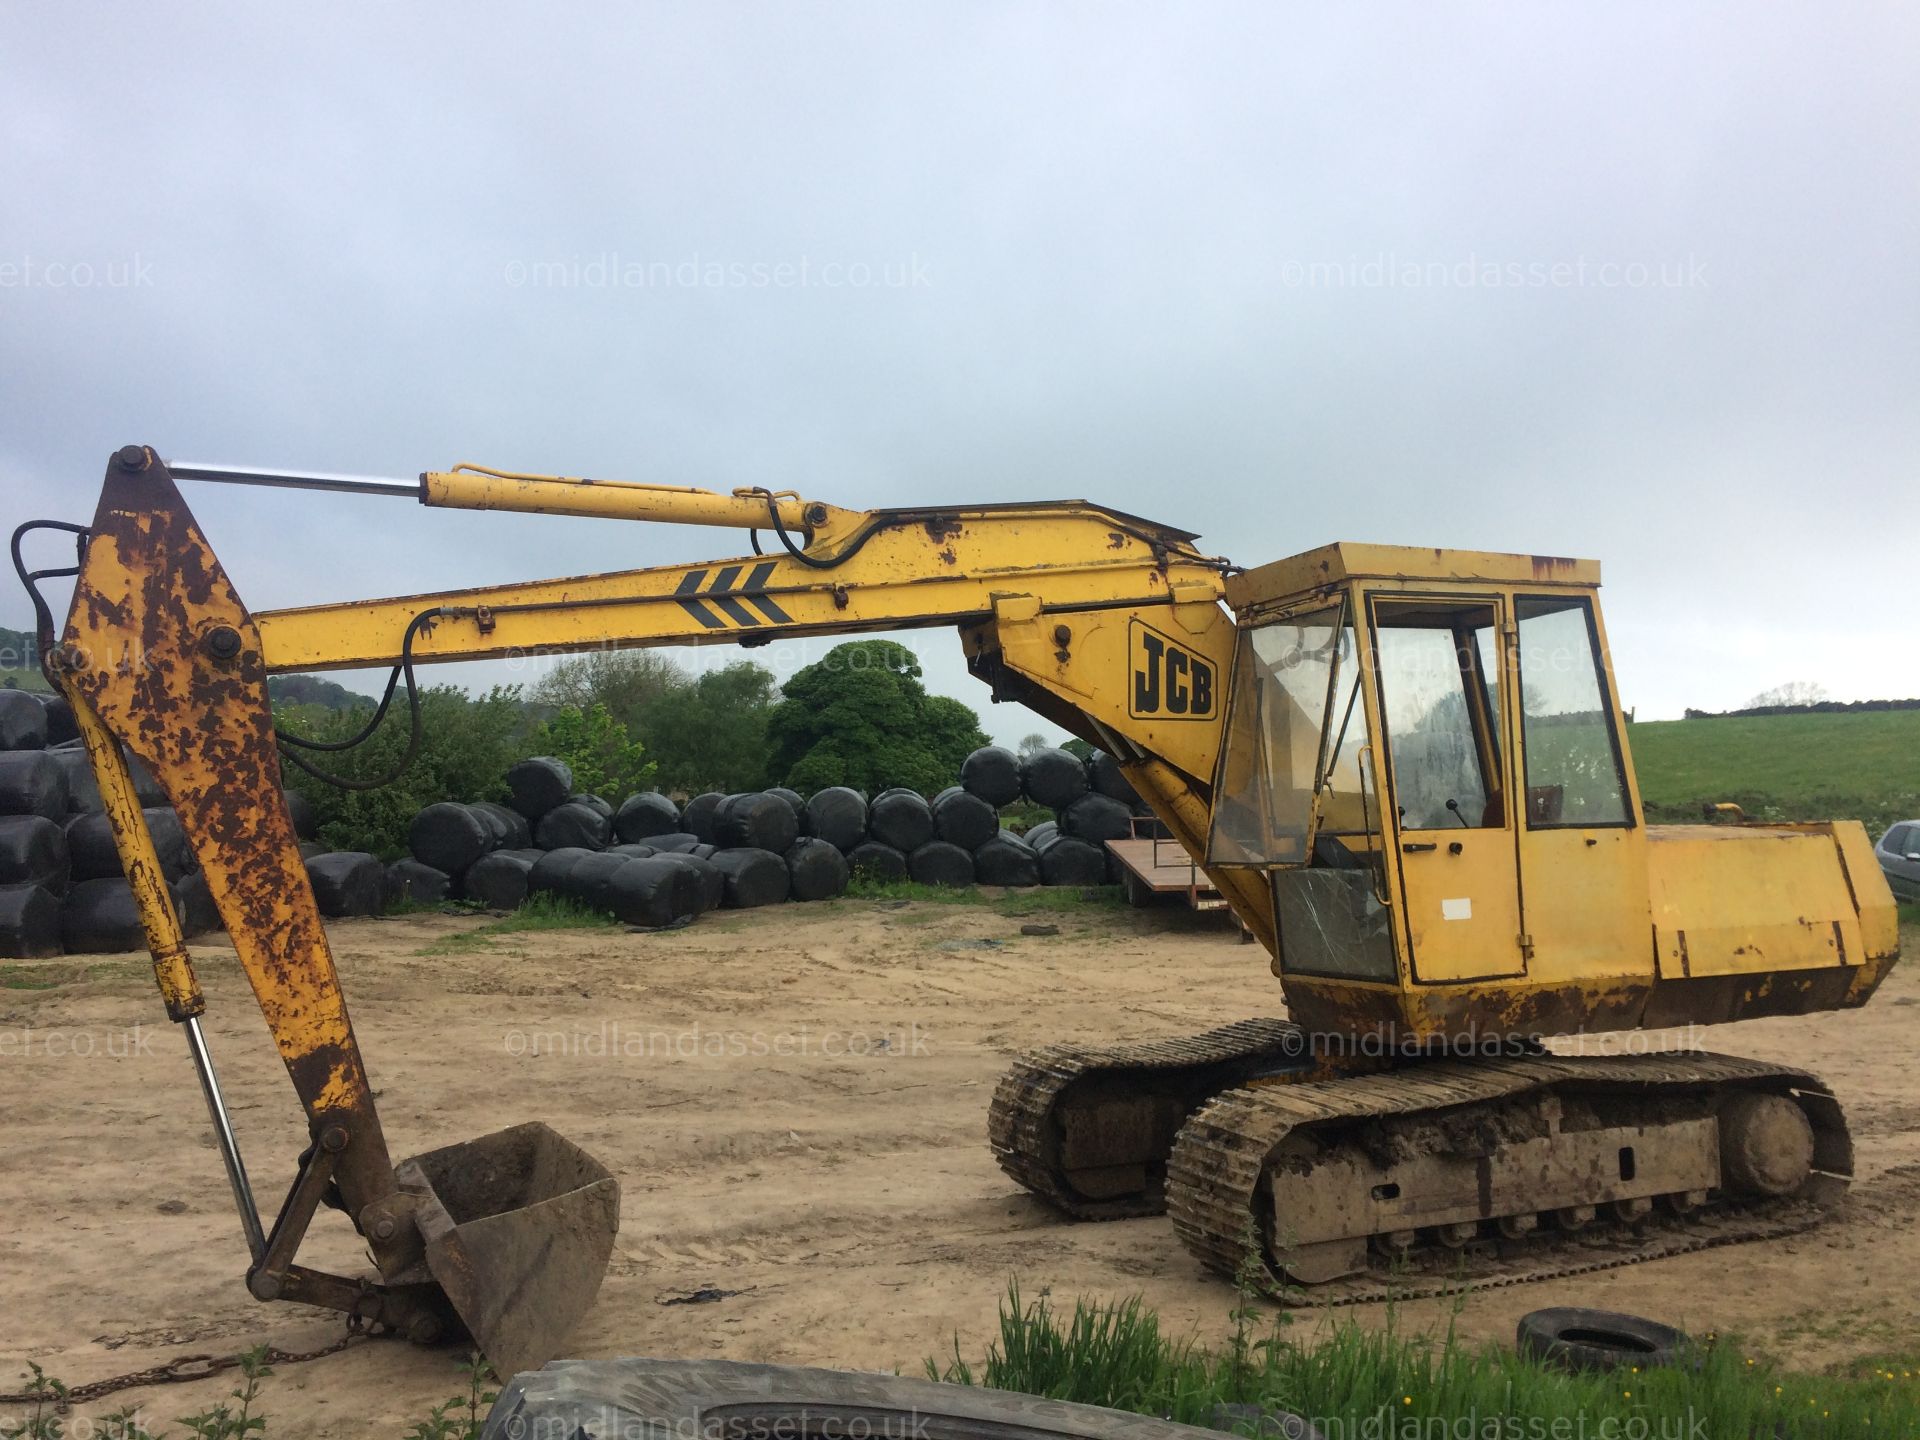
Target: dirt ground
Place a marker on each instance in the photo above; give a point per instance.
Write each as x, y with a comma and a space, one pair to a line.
794, 1101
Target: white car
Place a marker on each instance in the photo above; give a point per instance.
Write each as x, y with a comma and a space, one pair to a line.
1899, 856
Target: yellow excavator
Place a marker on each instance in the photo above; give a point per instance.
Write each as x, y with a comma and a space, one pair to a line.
1405, 769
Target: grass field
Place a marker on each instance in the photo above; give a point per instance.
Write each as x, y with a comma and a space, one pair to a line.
1784, 767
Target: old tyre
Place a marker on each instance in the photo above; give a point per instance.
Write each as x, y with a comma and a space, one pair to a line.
877, 860
645, 815
538, 785
450, 837
1579, 1339
818, 870
838, 816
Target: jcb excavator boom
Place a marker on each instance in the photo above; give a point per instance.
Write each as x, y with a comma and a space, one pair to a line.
1405, 770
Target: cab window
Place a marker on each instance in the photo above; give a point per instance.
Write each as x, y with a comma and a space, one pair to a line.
1441, 712
1574, 774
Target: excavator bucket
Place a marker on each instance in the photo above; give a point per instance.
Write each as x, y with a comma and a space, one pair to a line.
519, 1226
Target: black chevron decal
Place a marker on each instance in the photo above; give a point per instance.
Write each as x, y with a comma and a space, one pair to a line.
728, 597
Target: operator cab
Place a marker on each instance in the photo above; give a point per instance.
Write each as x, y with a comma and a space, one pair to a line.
1411, 736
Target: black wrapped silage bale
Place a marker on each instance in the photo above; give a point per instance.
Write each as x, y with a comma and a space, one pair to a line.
897, 790
1096, 819
756, 820
572, 826
902, 819
61, 726
993, 773
193, 903
1040, 834
23, 721
701, 852
1006, 860
449, 836
300, 811
511, 830
964, 819
754, 877
311, 848
795, 801
94, 856
654, 893
29, 923
33, 782
537, 785
1067, 861
939, 863
877, 860
411, 881
586, 883
697, 817
348, 883
33, 851
645, 815
99, 917
713, 881
635, 851
1108, 780
498, 881
593, 802
549, 873
678, 840
817, 868
1053, 777
76, 771
838, 816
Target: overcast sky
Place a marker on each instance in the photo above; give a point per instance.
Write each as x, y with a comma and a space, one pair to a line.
1633, 282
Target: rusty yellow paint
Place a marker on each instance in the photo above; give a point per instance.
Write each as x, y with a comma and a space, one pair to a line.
475, 487
159, 645
172, 965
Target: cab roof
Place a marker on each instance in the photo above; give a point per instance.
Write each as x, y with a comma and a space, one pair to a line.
1345, 560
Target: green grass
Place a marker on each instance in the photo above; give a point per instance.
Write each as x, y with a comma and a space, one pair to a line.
1347, 1377
14, 679
542, 912
1783, 767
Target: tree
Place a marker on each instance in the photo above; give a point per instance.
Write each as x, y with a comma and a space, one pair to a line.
605, 760
710, 733
1793, 693
862, 717
1030, 743
466, 745
626, 682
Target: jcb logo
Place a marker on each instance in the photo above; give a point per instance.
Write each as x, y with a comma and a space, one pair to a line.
1170, 682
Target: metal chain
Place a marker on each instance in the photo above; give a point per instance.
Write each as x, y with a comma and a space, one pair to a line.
178, 1371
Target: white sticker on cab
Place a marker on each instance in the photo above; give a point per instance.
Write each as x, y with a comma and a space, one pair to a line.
1456, 909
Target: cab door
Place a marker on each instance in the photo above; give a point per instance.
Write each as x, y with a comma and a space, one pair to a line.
1437, 665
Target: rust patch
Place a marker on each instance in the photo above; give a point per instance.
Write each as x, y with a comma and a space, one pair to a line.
1552, 567
941, 528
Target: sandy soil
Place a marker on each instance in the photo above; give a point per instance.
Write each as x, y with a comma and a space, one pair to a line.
794, 1101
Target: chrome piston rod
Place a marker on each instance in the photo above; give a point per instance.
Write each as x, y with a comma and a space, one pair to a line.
298, 479
223, 1134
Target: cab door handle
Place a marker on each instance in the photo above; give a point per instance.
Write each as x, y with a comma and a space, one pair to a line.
1415, 847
